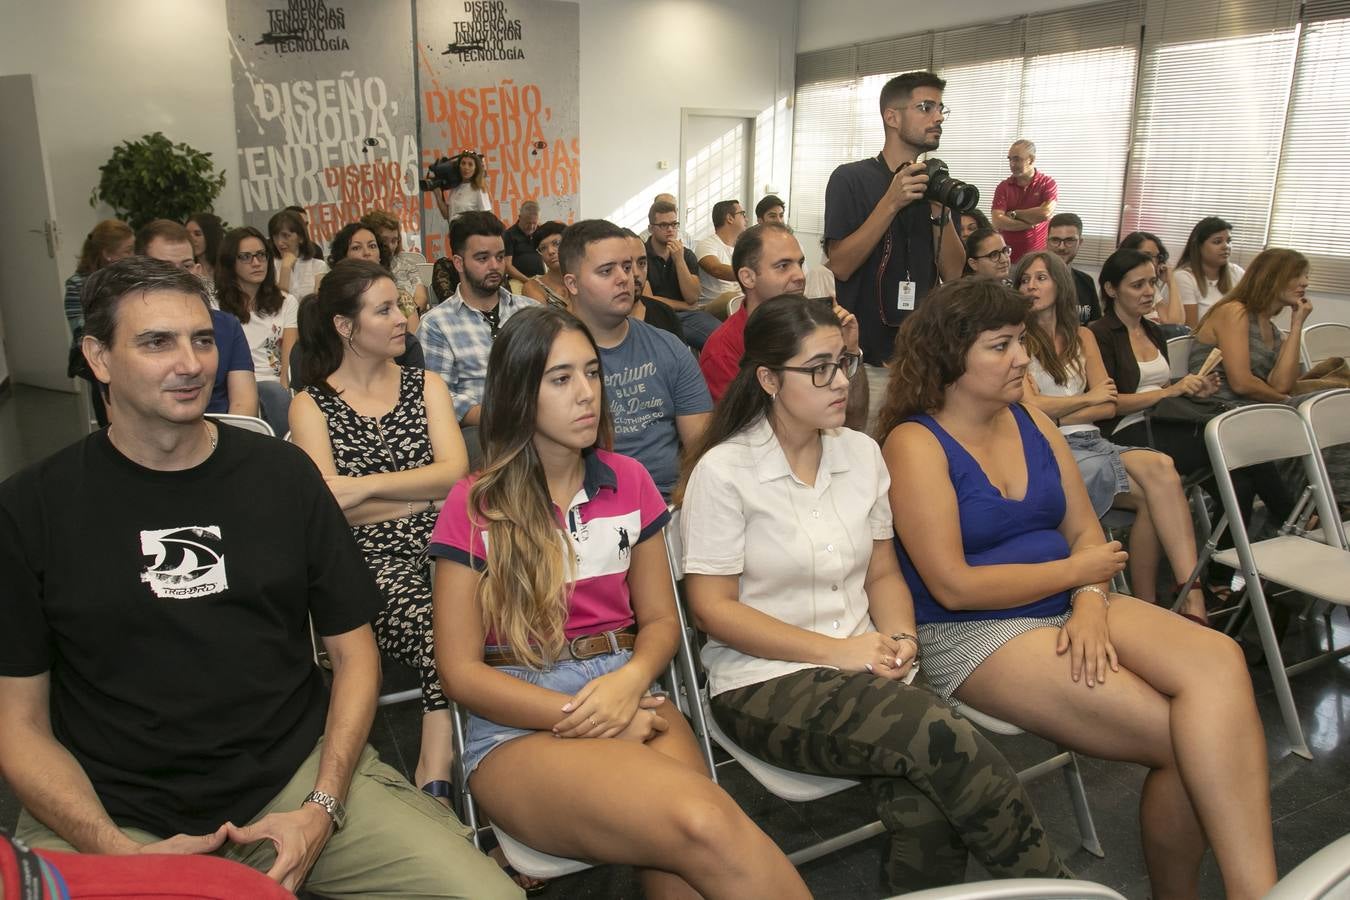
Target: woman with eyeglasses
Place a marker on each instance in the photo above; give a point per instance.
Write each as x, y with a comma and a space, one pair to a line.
987, 255
246, 287
1067, 380
1204, 276
553, 615
791, 572
1010, 575
1167, 307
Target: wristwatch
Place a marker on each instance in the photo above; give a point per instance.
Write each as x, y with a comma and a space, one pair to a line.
1012, 214
331, 805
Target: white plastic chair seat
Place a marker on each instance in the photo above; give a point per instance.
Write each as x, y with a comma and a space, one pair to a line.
248, 423
534, 863
1305, 565
424, 272
988, 722
1323, 876
796, 787
1179, 355
1320, 536
1017, 889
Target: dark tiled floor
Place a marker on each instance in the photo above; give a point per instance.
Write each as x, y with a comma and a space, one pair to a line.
1310, 800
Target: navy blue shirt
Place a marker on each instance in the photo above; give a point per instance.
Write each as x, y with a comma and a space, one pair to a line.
234, 356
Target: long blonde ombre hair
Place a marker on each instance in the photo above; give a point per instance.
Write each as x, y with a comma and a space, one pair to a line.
525, 590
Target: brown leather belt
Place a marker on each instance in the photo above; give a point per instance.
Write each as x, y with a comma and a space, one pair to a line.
583, 646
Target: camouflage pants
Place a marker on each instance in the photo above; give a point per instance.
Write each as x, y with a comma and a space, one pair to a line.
941, 788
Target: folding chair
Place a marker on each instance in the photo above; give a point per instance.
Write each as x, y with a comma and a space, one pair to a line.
1323, 876
1327, 418
1323, 341
1116, 526
794, 787
248, 423
1262, 433
1064, 760
1019, 889
523, 858
1179, 354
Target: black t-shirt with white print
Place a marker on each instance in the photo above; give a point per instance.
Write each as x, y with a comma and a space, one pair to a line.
172, 611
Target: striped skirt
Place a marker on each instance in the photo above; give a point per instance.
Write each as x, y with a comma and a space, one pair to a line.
953, 650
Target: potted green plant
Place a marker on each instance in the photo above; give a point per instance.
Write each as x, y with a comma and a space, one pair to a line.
154, 178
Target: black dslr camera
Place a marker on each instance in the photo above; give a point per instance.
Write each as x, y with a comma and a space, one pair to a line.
444, 172
944, 189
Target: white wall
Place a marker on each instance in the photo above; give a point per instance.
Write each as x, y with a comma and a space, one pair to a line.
644, 60
105, 73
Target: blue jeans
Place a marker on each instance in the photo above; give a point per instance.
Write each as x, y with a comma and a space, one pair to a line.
274, 402
567, 676
698, 324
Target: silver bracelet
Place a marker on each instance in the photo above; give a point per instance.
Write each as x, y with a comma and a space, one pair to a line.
1093, 589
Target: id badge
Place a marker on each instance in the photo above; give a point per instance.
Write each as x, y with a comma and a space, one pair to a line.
904, 300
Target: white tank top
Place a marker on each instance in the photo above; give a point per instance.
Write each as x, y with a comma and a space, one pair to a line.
1073, 387
1154, 375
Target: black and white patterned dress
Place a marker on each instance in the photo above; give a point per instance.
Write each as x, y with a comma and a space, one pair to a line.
396, 550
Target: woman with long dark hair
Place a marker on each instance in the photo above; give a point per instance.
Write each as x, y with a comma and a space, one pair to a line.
206, 231
1009, 570
1204, 274
554, 614
471, 191
1067, 380
791, 572
246, 287
386, 440
299, 265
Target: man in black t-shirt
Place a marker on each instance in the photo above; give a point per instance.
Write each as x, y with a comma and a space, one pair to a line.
160, 578
880, 235
523, 261
1064, 238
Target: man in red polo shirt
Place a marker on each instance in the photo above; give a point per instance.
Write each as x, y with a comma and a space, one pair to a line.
1024, 202
767, 261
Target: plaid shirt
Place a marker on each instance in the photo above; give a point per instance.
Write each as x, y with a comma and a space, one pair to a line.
457, 339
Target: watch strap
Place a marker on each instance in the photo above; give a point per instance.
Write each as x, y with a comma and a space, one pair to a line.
331, 805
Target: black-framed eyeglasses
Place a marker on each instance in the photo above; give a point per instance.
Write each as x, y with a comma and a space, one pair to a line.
996, 255
1063, 242
1158, 258
822, 374
656, 225
255, 256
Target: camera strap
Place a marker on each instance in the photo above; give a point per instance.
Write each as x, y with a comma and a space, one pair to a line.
897, 227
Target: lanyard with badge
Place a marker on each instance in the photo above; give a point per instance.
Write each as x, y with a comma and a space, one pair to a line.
894, 308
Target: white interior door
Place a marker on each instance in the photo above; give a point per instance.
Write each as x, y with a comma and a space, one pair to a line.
32, 322
715, 157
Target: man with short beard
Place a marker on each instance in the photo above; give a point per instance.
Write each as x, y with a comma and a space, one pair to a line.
457, 335
1066, 236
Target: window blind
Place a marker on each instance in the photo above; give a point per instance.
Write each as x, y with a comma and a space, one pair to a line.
1212, 96
1312, 186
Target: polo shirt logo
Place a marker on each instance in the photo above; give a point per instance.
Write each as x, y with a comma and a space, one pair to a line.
625, 548
184, 562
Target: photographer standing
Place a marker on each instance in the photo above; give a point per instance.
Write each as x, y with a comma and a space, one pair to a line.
881, 237
469, 192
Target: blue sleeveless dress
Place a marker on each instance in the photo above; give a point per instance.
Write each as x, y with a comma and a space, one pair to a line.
994, 531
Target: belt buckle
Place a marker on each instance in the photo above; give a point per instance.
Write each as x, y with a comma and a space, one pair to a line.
610, 637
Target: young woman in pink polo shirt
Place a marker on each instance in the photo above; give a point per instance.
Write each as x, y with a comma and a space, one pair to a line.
553, 616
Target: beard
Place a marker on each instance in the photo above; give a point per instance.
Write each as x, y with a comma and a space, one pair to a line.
487, 284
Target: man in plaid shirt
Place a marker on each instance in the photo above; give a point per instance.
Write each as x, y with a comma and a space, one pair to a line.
457, 335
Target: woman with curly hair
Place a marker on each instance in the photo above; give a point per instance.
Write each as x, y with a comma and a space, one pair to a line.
1009, 570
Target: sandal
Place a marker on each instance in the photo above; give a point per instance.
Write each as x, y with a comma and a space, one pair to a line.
530, 885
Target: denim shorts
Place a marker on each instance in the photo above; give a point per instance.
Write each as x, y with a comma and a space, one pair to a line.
567, 676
